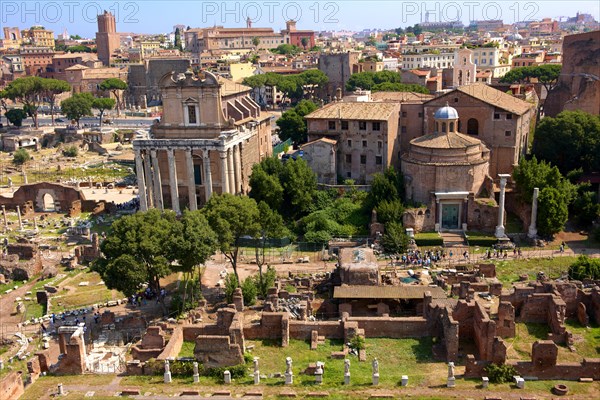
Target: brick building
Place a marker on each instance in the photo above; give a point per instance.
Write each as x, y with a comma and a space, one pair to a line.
209, 137
365, 139
107, 38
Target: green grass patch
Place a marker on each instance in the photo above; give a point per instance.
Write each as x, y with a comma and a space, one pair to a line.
587, 339
481, 239
187, 349
508, 271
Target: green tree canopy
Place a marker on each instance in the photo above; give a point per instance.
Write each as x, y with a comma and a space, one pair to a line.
394, 239
52, 88
232, 217
140, 244
546, 74
585, 268
367, 80
77, 106
388, 186
116, 86
29, 91
16, 116
287, 49
103, 104
292, 124
556, 193
577, 132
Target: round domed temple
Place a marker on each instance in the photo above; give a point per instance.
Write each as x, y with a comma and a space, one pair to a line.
445, 167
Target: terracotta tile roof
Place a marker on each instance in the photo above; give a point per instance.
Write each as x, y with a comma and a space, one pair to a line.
401, 97
450, 140
419, 72
355, 111
387, 292
229, 87
495, 97
323, 139
76, 67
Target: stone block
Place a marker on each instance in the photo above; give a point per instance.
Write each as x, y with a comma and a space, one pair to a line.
404, 381
451, 382
485, 382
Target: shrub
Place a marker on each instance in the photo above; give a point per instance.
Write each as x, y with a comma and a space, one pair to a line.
249, 291
358, 342
500, 373
237, 371
585, 268
71, 151
21, 156
231, 283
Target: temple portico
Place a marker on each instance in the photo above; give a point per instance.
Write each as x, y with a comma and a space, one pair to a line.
211, 166
210, 135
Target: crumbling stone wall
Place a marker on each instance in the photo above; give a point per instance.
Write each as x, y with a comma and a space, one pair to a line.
172, 348
443, 326
217, 351
11, 386
151, 346
73, 361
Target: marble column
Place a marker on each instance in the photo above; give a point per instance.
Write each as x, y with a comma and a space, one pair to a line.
158, 198
173, 182
148, 180
191, 180
532, 233
139, 170
20, 219
224, 175
230, 172
237, 165
207, 175
500, 228
439, 211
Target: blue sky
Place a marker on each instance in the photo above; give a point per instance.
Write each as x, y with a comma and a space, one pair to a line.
150, 16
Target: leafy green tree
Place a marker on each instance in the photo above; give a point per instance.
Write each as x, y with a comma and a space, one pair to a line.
249, 291
77, 106
577, 132
388, 186
292, 124
287, 49
367, 80
255, 41
16, 116
546, 74
52, 88
266, 188
116, 86
390, 211
103, 104
21, 156
553, 211
177, 43
232, 217
394, 239
231, 283
192, 243
141, 242
585, 207
556, 193
29, 91
399, 87
75, 37
299, 184
305, 42
311, 80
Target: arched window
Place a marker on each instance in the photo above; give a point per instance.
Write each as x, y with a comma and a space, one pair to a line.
464, 60
443, 127
451, 126
472, 127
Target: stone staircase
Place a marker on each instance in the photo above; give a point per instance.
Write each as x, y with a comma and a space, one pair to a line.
453, 240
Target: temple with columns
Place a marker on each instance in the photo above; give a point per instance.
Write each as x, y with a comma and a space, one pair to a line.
209, 137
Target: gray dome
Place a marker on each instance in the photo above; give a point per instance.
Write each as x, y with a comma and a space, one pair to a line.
446, 112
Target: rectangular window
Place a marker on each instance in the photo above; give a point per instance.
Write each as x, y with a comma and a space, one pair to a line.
376, 126
508, 116
496, 116
363, 159
348, 158
379, 145
349, 143
331, 125
344, 125
378, 160
364, 143
403, 129
507, 133
362, 125
192, 119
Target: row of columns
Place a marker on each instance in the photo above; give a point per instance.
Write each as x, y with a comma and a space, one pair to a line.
150, 181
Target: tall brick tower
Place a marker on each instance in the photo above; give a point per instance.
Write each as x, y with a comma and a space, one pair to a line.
107, 38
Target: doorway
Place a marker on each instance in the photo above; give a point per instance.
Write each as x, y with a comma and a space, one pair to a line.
450, 216
48, 203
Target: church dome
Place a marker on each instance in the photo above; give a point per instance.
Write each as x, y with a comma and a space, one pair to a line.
446, 112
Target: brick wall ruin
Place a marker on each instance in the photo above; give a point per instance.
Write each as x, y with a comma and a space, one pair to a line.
11, 386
